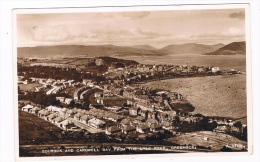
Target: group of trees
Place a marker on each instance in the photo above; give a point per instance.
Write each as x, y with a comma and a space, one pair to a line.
57, 73
41, 98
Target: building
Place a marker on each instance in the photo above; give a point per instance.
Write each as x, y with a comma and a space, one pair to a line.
61, 99
53, 108
142, 128
222, 129
152, 115
42, 113
76, 94
96, 123
86, 81
112, 129
51, 117
63, 111
77, 116
71, 112
167, 125
84, 119
125, 122
66, 124
99, 61
133, 111
113, 101
68, 100
139, 119
127, 129
151, 121
215, 70
35, 110
155, 127
113, 117
57, 120
27, 108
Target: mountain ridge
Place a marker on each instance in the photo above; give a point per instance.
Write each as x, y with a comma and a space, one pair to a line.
77, 50
191, 48
233, 48
113, 50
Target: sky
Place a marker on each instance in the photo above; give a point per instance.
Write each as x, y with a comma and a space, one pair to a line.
155, 28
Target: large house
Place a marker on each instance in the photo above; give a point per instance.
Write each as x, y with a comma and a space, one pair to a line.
53, 108
96, 123
66, 124
27, 108
35, 110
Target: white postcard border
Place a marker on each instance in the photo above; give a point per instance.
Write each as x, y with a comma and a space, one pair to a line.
137, 8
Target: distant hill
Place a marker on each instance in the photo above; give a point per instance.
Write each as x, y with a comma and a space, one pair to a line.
145, 47
112, 50
190, 48
81, 50
233, 48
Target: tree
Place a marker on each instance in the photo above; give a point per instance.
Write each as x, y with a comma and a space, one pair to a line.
238, 124
72, 103
245, 133
39, 99
198, 115
226, 149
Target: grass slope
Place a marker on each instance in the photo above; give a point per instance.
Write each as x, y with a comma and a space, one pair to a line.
231, 49
214, 96
191, 48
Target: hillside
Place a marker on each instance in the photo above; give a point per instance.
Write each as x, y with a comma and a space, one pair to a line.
112, 50
81, 50
145, 47
233, 48
190, 48
109, 61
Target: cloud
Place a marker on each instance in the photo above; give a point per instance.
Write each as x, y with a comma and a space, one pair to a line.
231, 34
135, 15
232, 31
237, 15
52, 33
55, 33
110, 34
150, 34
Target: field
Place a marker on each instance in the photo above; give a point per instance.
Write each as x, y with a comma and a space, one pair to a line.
65, 61
33, 128
207, 139
213, 95
28, 87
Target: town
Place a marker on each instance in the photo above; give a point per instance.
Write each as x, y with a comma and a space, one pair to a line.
106, 96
